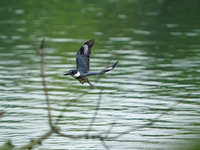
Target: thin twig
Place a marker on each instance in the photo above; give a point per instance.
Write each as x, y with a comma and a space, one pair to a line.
95, 113
94, 136
36, 142
45, 136
149, 123
81, 136
61, 114
42, 59
104, 144
109, 130
67, 105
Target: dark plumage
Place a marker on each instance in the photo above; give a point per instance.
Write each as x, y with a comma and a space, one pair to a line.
83, 64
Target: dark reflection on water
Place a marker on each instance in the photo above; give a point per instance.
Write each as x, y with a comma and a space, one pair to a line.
156, 43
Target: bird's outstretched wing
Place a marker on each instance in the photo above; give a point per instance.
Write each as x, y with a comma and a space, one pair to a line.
109, 68
83, 56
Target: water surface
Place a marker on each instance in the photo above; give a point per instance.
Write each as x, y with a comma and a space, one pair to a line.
156, 43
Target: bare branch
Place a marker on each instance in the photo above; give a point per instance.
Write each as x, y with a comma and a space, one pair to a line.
36, 142
68, 104
42, 55
104, 144
101, 137
149, 123
45, 136
62, 112
7, 146
95, 113
110, 128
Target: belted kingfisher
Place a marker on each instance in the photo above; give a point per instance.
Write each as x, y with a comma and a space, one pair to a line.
83, 64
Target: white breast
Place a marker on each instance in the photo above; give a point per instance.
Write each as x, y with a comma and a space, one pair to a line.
77, 74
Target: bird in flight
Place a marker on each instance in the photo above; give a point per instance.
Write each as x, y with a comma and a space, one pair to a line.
83, 64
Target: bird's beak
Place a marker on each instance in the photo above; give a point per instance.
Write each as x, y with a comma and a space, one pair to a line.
66, 74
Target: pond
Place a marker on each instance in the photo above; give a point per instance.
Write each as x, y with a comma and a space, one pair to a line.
157, 45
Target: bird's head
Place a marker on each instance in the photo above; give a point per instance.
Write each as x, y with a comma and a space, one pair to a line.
71, 72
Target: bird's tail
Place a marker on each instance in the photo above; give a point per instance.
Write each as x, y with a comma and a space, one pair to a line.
90, 84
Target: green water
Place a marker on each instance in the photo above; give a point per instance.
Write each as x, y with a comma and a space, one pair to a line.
156, 43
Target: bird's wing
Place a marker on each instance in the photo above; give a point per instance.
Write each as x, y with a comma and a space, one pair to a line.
109, 68
83, 56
